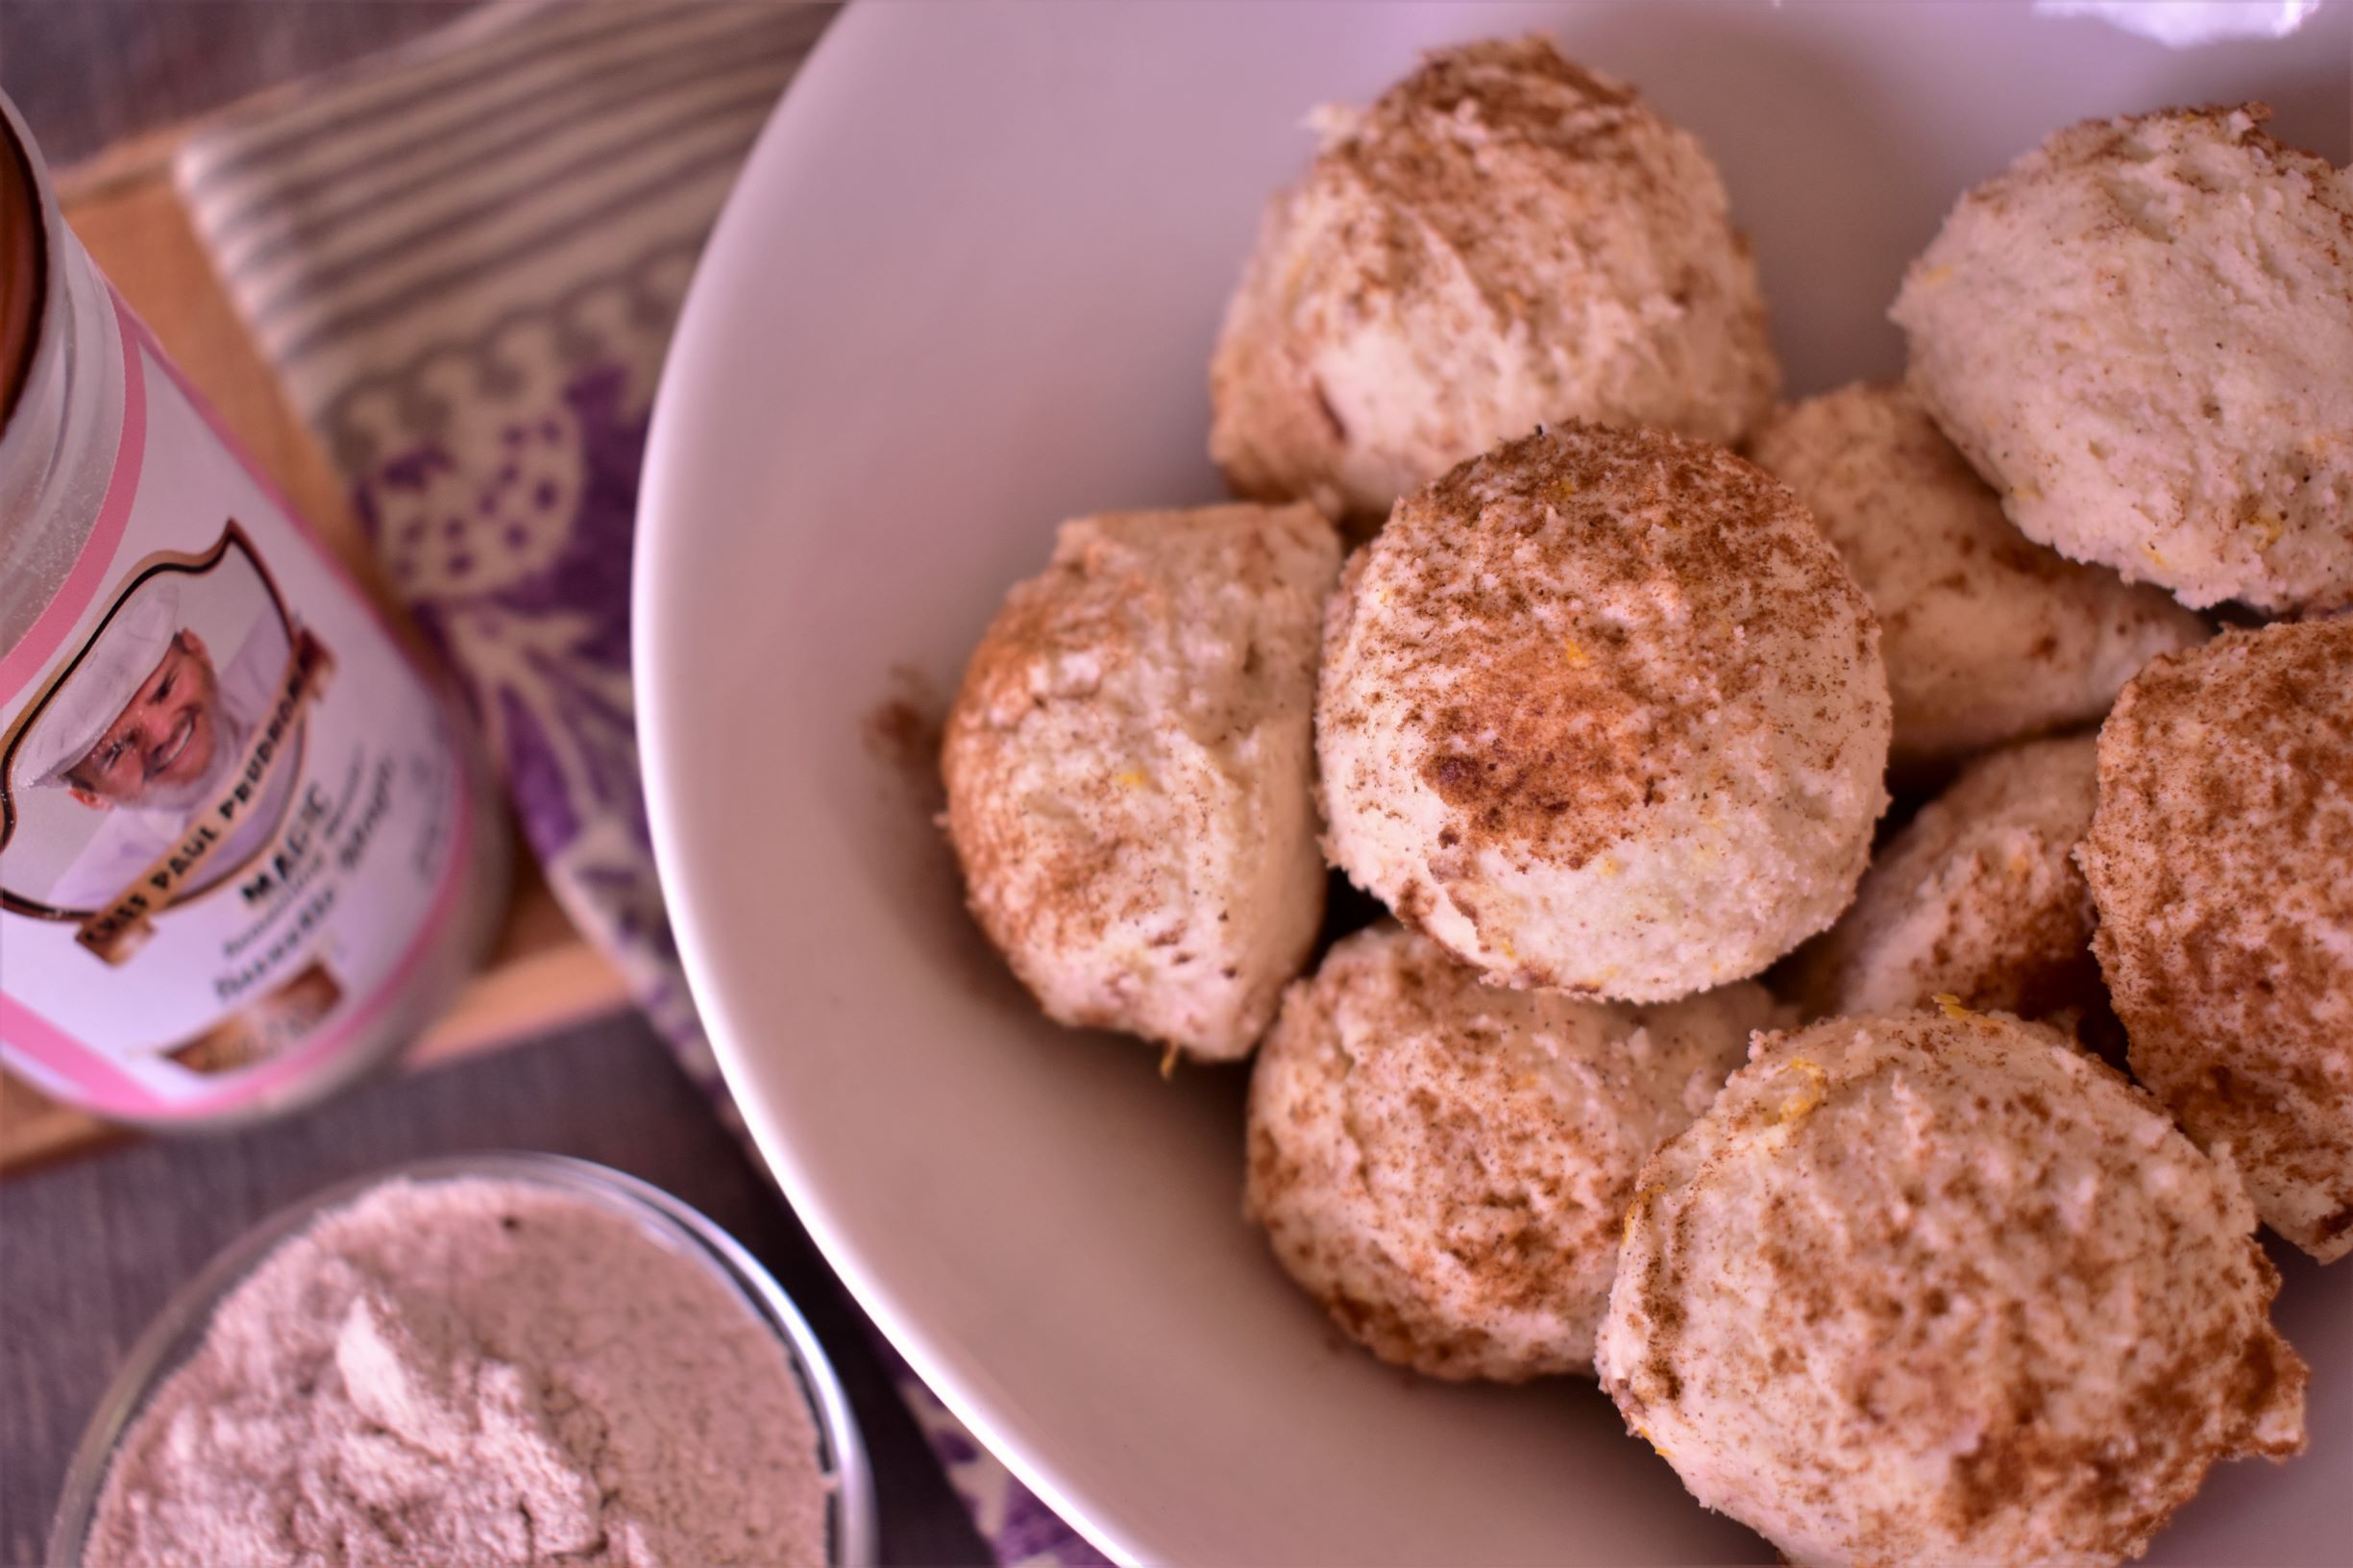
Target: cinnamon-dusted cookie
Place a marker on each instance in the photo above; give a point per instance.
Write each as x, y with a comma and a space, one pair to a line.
2221, 859
1977, 898
1988, 635
1932, 1289
1503, 239
1601, 711
2142, 335
1128, 766
1444, 1164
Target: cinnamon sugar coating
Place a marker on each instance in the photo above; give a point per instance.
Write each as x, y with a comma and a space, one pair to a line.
1945, 1289
2221, 860
1503, 239
1127, 767
1443, 1164
1601, 712
1978, 898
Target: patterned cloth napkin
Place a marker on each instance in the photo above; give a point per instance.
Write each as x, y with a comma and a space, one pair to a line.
465, 259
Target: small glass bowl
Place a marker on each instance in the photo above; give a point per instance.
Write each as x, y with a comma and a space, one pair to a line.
179, 1330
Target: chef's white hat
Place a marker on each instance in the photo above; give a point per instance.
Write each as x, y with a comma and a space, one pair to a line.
78, 713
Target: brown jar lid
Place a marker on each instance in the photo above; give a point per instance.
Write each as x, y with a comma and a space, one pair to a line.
22, 269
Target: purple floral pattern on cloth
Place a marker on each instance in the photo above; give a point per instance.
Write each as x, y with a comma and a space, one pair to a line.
514, 557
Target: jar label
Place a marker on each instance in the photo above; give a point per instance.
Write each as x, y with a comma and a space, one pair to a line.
232, 814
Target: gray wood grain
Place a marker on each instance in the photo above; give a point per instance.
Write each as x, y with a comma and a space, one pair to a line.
90, 1250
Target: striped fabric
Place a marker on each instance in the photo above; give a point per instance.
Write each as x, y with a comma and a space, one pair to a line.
507, 157
465, 259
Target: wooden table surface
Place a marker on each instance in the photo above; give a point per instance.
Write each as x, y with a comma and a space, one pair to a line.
96, 1235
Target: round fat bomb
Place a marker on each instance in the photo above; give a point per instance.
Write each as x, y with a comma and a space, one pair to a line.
1977, 898
2221, 859
2142, 335
1930, 1290
1503, 239
1988, 635
1444, 1164
1128, 771
1601, 711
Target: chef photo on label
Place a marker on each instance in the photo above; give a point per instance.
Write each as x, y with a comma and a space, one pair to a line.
147, 733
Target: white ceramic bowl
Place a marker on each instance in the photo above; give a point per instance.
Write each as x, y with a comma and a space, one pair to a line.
967, 288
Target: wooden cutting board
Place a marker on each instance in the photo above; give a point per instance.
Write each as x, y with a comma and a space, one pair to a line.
123, 205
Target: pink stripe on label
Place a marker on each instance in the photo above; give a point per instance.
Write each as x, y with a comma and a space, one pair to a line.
108, 1088
21, 663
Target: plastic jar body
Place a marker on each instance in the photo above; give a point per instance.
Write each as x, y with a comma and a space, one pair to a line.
248, 846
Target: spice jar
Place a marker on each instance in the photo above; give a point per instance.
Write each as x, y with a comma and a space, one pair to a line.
247, 847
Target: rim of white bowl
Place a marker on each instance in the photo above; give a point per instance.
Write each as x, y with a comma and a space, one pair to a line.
655, 650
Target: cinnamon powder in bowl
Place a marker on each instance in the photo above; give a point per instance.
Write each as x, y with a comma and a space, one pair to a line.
512, 1359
